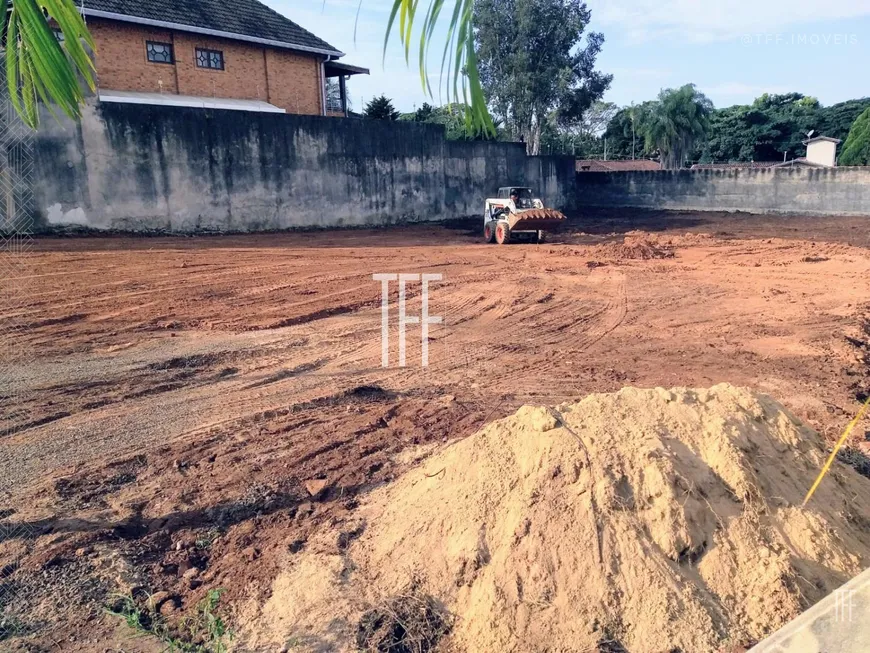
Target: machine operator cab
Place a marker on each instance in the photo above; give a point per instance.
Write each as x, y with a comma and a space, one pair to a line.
521, 197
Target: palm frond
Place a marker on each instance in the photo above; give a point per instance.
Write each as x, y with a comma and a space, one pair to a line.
38, 67
460, 76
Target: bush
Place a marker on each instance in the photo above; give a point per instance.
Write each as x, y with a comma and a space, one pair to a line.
856, 150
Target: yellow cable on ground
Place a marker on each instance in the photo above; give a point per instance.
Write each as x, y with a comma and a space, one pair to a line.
833, 455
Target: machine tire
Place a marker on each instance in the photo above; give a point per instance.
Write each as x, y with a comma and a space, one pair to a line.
488, 232
542, 236
502, 233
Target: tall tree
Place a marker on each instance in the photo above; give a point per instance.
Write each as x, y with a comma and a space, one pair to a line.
836, 120
625, 138
856, 149
424, 113
596, 118
787, 117
532, 66
381, 108
675, 123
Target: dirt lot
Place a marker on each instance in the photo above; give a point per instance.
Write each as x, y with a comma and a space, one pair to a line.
174, 401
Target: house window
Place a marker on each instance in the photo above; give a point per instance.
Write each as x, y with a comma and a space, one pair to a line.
213, 59
159, 52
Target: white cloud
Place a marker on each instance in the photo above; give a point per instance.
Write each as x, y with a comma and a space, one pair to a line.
695, 21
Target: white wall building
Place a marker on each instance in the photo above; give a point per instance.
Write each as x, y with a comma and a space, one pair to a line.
822, 151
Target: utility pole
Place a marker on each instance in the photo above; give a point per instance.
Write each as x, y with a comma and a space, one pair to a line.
631, 115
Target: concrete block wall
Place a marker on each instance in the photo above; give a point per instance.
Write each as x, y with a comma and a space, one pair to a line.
145, 167
807, 191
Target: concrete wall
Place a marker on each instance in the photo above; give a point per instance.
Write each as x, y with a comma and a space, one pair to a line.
142, 167
813, 191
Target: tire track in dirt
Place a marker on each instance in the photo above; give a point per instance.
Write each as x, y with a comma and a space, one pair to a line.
514, 317
612, 315
547, 381
237, 437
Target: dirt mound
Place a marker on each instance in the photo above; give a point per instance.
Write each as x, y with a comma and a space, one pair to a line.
654, 520
636, 246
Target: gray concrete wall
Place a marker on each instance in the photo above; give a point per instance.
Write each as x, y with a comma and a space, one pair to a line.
140, 167
839, 623
812, 191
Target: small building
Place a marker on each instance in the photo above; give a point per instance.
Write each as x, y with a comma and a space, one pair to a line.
213, 54
598, 165
822, 151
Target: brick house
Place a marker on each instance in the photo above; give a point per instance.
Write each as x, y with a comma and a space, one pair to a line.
212, 53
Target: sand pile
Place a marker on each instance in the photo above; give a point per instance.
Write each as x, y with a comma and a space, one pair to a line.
654, 520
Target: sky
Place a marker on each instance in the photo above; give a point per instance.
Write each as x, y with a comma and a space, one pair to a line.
732, 50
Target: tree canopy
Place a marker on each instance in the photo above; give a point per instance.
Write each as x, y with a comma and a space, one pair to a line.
533, 67
856, 149
381, 108
453, 118
836, 120
771, 128
774, 127
675, 123
624, 136
424, 114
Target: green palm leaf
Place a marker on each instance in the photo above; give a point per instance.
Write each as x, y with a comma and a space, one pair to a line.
461, 79
38, 67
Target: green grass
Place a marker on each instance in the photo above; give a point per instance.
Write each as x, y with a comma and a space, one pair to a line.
203, 632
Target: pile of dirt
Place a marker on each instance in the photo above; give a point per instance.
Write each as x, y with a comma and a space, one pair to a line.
635, 246
644, 520
689, 239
